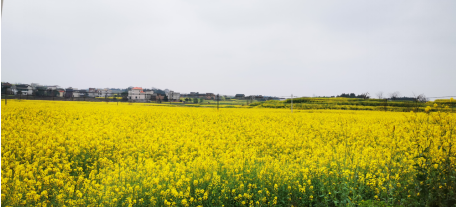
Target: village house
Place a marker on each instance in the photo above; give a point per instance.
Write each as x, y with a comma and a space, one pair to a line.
104, 92
83, 93
61, 92
24, 89
173, 96
159, 95
75, 93
209, 96
92, 92
136, 93
40, 91
52, 90
148, 94
69, 92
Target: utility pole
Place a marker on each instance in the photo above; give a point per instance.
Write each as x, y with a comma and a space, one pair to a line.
386, 103
291, 103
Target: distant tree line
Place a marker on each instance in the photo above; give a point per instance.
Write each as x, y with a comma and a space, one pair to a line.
353, 95
392, 96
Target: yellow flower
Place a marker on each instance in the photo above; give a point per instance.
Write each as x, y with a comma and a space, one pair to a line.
88, 153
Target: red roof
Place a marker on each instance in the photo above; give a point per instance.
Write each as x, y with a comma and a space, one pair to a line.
138, 88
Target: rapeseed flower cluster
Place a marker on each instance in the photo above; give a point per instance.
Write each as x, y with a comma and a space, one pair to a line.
98, 154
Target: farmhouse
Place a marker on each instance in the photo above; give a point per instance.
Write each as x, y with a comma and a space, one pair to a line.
92, 92
69, 92
24, 89
61, 92
173, 96
136, 93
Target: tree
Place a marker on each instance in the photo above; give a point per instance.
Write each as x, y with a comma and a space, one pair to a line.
5, 87
380, 95
201, 100
195, 100
394, 95
222, 98
365, 95
124, 95
165, 99
422, 98
40, 91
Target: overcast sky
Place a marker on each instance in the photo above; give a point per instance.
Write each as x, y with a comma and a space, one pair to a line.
252, 47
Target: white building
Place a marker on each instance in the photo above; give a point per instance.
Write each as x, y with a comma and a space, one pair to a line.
136, 93
173, 96
104, 92
148, 94
75, 93
23, 89
61, 92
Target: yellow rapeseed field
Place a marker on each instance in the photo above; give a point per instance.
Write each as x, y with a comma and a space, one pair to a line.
99, 154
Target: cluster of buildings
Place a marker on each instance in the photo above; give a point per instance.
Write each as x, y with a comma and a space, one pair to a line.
207, 96
29, 89
138, 94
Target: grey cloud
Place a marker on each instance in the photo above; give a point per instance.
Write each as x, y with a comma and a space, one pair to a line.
228, 47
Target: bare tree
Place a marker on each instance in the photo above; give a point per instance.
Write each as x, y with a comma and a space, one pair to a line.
394, 95
422, 98
365, 95
380, 95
